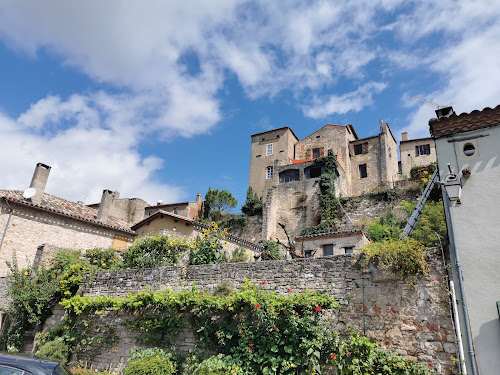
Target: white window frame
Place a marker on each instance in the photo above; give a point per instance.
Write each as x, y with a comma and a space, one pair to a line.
269, 173
269, 149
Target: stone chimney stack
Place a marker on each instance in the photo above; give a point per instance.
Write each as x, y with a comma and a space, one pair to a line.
39, 181
404, 136
198, 198
105, 205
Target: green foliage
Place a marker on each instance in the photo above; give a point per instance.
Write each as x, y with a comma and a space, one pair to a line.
218, 365
234, 223
155, 251
356, 355
56, 349
239, 256
384, 228
153, 361
209, 249
405, 258
272, 251
33, 292
253, 205
431, 228
386, 195
329, 202
217, 202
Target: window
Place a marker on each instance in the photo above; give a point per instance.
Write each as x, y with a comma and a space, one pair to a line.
290, 175
423, 150
4, 370
176, 210
469, 149
362, 171
269, 173
309, 253
313, 172
361, 148
348, 249
316, 153
327, 250
269, 149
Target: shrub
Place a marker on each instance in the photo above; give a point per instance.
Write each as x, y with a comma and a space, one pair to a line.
155, 251
218, 365
153, 361
239, 255
431, 228
234, 222
272, 251
55, 349
384, 228
403, 257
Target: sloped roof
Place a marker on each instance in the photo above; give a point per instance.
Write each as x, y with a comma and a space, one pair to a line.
465, 122
275, 130
337, 234
60, 206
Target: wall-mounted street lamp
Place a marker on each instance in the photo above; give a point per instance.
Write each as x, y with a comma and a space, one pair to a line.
453, 186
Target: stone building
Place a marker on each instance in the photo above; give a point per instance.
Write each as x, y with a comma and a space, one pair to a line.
327, 244
132, 210
190, 210
284, 171
169, 223
469, 166
27, 222
415, 153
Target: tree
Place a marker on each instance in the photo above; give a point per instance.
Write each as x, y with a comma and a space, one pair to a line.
217, 202
253, 205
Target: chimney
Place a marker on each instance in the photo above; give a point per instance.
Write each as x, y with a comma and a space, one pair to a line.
39, 181
444, 112
404, 136
116, 195
198, 198
105, 205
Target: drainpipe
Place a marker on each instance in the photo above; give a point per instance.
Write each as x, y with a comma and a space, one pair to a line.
472, 354
8, 221
457, 329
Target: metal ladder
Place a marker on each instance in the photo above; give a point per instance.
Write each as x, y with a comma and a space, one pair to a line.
415, 216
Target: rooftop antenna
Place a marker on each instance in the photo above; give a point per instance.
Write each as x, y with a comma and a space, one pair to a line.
438, 106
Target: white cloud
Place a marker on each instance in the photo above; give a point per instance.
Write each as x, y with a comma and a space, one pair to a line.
352, 101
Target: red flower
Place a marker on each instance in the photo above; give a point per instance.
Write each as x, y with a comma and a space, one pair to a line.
349, 354
318, 309
296, 314
264, 282
257, 305
288, 290
251, 345
333, 355
275, 328
285, 312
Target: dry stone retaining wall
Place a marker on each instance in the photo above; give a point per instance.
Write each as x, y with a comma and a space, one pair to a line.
415, 323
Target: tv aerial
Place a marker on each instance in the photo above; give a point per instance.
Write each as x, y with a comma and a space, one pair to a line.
29, 193
438, 106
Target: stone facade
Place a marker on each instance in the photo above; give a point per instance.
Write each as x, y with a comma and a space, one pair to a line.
415, 323
190, 210
415, 153
326, 244
131, 210
30, 227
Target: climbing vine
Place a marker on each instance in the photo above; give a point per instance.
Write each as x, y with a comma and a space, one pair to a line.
329, 203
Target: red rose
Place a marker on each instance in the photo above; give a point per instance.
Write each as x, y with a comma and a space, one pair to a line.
333, 355
251, 345
288, 290
264, 282
275, 328
296, 314
257, 305
318, 309
349, 354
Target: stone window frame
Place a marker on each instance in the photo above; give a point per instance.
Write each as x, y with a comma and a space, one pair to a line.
360, 148
348, 249
269, 149
269, 173
308, 253
363, 170
423, 149
289, 175
328, 245
316, 153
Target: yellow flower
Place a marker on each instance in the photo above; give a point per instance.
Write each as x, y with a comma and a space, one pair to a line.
213, 244
225, 243
104, 264
213, 223
292, 365
115, 259
26, 273
225, 229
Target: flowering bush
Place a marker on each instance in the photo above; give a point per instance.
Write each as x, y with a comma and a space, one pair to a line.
153, 361
209, 249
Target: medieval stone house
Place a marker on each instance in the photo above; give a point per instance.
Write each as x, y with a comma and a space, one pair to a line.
28, 223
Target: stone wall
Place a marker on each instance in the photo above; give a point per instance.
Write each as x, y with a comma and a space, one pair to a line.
414, 323
29, 228
409, 157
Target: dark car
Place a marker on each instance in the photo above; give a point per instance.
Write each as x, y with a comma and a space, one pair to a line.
18, 365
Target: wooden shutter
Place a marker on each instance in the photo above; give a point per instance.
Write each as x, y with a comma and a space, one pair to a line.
365, 148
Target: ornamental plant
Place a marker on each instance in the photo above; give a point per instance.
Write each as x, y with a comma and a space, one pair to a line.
405, 258
209, 248
154, 361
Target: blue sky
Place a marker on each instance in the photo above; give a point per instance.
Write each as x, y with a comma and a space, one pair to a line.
158, 99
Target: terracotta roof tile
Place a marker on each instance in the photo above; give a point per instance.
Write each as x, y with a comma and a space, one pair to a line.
61, 206
465, 122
